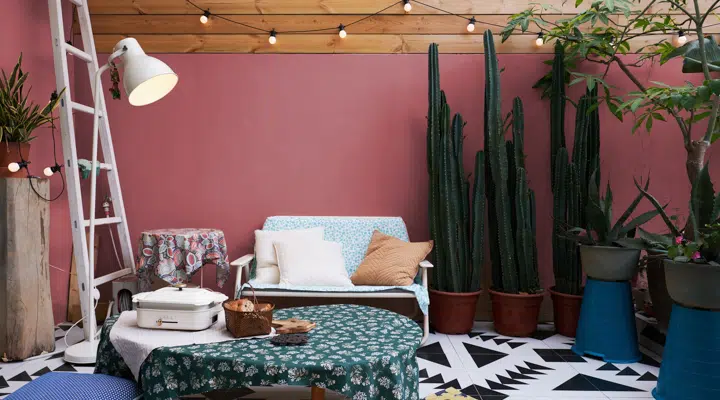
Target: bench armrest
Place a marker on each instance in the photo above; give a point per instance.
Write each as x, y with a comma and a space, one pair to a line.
242, 263
425, 264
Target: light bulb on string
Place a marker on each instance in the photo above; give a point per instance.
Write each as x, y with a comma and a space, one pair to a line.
540, 40
49, 171
681, 39
341, 31
205, 17
407, 7
14, 167
471, 24
272, 39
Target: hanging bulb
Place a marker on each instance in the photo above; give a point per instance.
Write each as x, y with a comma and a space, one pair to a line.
14, 167
471, 25
205, 17
681, 38
49, 171
342, 32
407, 7
540, 40
272, 39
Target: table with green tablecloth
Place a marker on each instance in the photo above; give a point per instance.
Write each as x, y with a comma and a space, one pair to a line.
361, 352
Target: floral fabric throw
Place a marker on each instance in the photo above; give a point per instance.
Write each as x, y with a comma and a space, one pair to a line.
175, 255
363, 353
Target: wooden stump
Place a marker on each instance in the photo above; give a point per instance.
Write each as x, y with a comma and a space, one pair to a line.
26, 317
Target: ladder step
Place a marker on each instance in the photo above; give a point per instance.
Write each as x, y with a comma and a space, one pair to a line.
103, 221
78, 53
106, 167
78, 3
82, 108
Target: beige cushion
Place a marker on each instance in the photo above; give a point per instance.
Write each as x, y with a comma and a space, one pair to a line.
264, 241
311, 263
390, 261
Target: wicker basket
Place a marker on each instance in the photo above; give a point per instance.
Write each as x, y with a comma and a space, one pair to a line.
249, 323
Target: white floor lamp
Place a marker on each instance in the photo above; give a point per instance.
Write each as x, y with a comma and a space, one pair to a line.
146, 80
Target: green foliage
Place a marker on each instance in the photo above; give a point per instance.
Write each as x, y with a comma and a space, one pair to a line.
19, 117
510, 202
456, 229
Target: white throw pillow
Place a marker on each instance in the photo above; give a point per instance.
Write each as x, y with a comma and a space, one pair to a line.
264, 240
311, 263
269, 274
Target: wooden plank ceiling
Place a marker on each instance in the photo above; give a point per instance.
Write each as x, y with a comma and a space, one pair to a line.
173, 26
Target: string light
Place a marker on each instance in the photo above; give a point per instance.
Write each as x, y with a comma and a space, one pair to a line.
471, 24
540, 40
204, 18
342, 32
272, 39
49, 171
407, 6
681, 39
15, 167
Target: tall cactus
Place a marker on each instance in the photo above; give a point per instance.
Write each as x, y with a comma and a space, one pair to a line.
510, 202
456, 229
571, 178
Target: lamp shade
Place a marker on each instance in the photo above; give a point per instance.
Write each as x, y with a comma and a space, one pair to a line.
146, 79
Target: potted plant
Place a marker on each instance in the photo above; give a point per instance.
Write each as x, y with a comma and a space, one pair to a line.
692, 266
456, 228
569, 183
19, 117
610, 252
516, 293
594, 36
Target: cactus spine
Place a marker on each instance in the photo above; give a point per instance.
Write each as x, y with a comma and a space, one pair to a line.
571, 179
456, 229
510, 202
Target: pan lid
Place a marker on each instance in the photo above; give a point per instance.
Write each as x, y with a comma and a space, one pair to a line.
180, 296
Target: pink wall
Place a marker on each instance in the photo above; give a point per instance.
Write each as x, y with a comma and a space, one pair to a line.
247, 136
25, 28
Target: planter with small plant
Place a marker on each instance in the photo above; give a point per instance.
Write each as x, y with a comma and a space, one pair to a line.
692, 262
610, 252
19, 118
456, 227
516, 293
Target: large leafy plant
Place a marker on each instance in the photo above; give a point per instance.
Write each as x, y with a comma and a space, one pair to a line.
19, 117
704, 247
607, 30
599, 214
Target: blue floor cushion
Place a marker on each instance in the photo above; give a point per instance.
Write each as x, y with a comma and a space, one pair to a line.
73, 386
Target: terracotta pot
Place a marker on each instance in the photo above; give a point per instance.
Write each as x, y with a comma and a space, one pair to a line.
566, 308
661, 301
693, 285
607, 263
515, 314
453, 313
10, 153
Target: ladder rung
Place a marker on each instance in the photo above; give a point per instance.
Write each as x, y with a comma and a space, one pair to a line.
78, 3
103, 221
106, 167
82, 107
78, 53
112, 276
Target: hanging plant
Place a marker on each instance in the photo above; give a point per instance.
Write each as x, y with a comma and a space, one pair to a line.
115, 80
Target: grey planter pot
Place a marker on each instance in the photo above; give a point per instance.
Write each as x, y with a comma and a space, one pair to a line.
606, 263
693, 285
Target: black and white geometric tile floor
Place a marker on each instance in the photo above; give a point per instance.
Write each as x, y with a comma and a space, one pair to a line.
483, 365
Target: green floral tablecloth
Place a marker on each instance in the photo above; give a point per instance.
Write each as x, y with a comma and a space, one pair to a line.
361, 352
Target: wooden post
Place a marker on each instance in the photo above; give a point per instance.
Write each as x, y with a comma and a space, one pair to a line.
317, 393
26, 317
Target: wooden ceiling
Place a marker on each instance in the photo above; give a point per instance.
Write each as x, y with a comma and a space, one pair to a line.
173, 26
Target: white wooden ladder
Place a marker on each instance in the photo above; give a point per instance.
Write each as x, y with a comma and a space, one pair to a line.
84, 258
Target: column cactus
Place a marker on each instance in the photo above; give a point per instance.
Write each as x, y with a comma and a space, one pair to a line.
510, 202
456, 226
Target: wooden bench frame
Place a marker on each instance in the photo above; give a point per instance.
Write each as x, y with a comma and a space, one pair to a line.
243, 265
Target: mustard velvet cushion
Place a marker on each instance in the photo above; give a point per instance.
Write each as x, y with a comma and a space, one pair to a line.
390, 261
